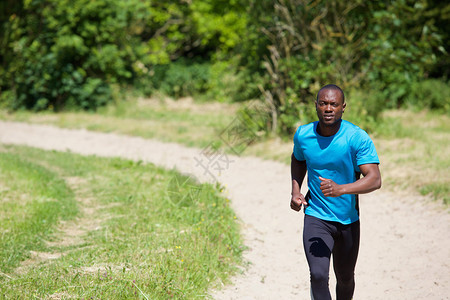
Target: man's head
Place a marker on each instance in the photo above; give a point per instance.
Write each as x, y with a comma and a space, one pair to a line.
330, 105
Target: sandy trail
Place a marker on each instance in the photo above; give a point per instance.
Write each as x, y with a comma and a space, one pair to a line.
405, 245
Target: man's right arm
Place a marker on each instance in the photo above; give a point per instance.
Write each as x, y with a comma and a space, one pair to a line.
298, 172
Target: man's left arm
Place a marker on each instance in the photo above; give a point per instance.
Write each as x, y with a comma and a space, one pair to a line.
370, 182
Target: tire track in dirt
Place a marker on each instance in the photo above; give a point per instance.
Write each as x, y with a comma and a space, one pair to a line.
405, 245
71, 232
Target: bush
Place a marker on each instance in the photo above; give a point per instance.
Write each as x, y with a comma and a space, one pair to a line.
60, 54
184, 78
66, 53
371, 45
178, 79
364, 108
229, 82
432, 94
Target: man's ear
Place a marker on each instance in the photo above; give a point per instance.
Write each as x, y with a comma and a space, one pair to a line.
344, 106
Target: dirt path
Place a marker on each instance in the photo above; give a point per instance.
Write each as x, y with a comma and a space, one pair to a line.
405, 243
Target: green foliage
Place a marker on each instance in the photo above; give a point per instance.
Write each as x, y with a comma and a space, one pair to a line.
400, 48
181, 78
432, 94
198, 52
381, 46
437, 18
229, 82
67, 53
306, 49
220, 23
364, 109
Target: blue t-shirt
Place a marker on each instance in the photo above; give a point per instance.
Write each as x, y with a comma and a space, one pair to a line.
335, 157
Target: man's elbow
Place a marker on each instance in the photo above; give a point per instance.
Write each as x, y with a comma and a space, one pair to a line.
377, 184
293, 159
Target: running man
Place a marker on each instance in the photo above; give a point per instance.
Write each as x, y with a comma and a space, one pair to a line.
334, 152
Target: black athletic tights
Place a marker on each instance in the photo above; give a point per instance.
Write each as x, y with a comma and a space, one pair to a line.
321, 239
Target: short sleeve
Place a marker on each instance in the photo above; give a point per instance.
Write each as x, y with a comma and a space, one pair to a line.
365, 149
298, 152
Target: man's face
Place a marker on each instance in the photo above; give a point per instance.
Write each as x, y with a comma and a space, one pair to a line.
329, 107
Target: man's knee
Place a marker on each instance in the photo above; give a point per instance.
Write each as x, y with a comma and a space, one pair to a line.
319, 277
345, 287
346, 279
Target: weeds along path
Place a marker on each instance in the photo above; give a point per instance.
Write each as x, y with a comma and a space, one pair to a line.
405, 242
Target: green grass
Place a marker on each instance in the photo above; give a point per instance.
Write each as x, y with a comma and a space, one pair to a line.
33, 199
415, 148
118, 229
438, 190
180, 121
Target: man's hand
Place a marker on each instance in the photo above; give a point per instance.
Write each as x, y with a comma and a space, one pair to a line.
297, 201
330, 188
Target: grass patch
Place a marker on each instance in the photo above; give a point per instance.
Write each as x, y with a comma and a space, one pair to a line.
33, 200
414, 149
437, 190
181, 121
158, 233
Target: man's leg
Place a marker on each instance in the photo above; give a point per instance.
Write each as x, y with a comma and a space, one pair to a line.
345, 253
318, 243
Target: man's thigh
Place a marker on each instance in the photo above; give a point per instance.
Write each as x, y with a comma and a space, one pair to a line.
345, 252
318, 243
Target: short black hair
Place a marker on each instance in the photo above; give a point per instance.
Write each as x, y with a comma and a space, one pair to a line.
331, 87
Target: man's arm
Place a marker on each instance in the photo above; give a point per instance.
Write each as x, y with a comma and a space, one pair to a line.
298, 172
370, 182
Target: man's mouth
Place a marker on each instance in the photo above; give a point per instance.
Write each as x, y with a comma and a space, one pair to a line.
328, 117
